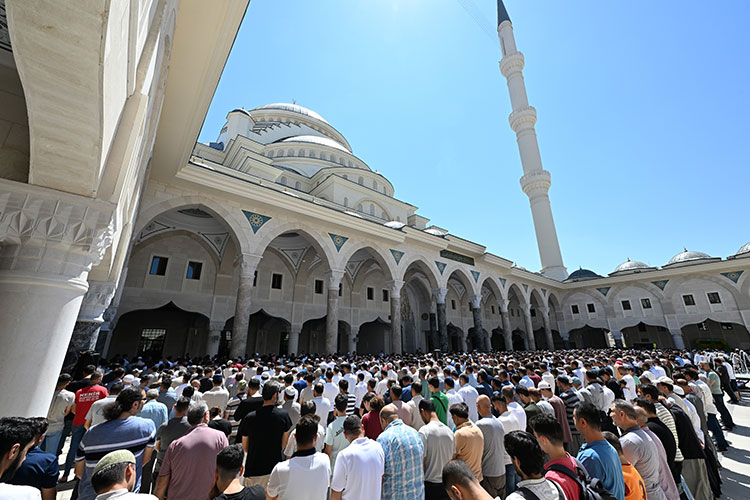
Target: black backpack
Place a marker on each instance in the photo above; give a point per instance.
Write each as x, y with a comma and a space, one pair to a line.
530, 495
591, 488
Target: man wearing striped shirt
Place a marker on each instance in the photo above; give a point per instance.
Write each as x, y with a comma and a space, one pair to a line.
351, 399
122, 430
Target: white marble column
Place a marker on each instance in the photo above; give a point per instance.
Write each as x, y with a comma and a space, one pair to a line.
395, 295
247, 265
442, 321
353, 339
49, 241
507, 333
530, 342
294, 339
677, 338
214, 337
548, 329
617, 336
566, 339
332, 312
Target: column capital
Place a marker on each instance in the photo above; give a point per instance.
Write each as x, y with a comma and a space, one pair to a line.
476, 300
334, 277
46, 232
395, 287
95, 302
440, 294
248, 263
503, 305
216, 326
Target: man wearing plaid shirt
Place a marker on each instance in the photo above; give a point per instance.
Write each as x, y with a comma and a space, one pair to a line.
404, 453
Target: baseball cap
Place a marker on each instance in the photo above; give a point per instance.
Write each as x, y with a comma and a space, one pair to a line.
114, 457
575, 380
544, 385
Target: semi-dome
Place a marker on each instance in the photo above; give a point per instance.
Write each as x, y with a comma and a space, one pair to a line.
295, 108
582, 274
315, 139
744, 249
688, 256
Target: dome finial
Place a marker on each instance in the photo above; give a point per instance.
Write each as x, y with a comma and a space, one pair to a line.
502, 13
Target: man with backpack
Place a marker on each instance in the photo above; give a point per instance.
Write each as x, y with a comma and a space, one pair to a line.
549, 434
528, 458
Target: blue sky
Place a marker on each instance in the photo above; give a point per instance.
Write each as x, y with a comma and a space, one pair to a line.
642, 114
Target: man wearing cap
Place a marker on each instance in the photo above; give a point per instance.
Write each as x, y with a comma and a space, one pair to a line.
114, 477
290, 406
217, 395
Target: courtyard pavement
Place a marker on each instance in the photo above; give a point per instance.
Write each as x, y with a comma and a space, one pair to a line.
735, 463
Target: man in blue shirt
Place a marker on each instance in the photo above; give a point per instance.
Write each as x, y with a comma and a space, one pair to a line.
404, 455
598, 456
40, 469
156, 412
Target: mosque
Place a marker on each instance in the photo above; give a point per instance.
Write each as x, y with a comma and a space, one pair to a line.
119, 233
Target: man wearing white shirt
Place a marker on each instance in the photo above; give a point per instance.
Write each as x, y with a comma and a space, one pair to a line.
322, 404
510, 424
349, 377
359, 468
453, 398
469, 396
509, 393
629, 381
416, 396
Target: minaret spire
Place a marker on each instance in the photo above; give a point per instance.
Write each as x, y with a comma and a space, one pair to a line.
536, 181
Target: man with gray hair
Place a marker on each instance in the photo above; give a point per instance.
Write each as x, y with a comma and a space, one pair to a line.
190, 462
156, 412
638, 448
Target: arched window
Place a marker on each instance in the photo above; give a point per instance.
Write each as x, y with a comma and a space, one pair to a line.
372, 209
382, 215
361, 181
359, 207
283, 180
346, 201
375, 185
398, 219
270, 154
297, 185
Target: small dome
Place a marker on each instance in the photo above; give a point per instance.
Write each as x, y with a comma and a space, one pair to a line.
582, 274
630, 265
744, 249
240, 110
687, 256
315, 139
293, 108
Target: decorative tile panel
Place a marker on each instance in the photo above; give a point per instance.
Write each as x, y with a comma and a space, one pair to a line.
502, 281
733, 276
338, 240
440, 266
256, 220
397, 255
660, 284
525, 287
604, 290
476, 275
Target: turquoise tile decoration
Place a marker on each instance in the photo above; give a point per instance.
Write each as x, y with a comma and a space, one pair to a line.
503, 281
661, 284
338, 240
256, 220
397, 255
440, 266
476, 275
734, 276
604, 290
544, 291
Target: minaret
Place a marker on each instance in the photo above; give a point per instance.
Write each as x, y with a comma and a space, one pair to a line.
535, 181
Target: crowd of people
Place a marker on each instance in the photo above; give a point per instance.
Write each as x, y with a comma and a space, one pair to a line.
563, 425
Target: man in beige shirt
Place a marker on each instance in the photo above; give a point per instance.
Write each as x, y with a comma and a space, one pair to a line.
469, 439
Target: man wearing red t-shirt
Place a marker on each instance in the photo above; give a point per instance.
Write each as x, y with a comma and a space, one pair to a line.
85, 397
549, 434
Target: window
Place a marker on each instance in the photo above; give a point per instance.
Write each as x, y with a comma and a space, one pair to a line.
626, 305
194, 270
493, 309
372, 209
276, 281
714, 298
341, 289
453, 304
255, 278
297, 186
646, 303
283, 181
727, 326
361, 181
346, 201
370, 293
385, 296
375, 185
641, 327
689, 300
512, 313
574, 309
703, 326
158, 266
590, 308
533, 313
151, 341
319, 287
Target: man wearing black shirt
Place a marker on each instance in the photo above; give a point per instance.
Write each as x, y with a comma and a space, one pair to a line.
264, 433
612, 384
228, 482
252, 402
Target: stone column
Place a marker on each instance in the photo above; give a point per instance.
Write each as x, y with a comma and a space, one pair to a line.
476, 313
353, 339
90, 318
677, 338
294, 339
548, 329
566, 339
214, 337
617, 335
507, 333
332, 313
247, 264
442, 319
530, 342
395, 294
49, 241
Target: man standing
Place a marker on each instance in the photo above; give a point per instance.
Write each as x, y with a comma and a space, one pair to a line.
289, 406
549, 435
469, 394
439, 399
85, 397
264, 434
232, 406
189, 464
571, 399
95, 415
493, 454
217, 395
439, 448
228, 477
335, 439
510, 424
252, 402
415, 420
597, 456
468, 438
39, 470
167, 396
638, 448
305, 476
359, 469
62, 404
122, 429
403, 478
714, 383
351, 404
114, 477
528, 458
174, 429
322, 403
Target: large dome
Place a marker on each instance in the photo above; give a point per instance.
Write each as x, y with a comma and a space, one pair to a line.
315, 139
582, 274
688, 256
293, 108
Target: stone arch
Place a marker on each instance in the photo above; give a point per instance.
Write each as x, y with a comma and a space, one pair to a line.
418, 262
472, 288
235, 223
536, 296
517, 291
384, 260
490, 283
322, 243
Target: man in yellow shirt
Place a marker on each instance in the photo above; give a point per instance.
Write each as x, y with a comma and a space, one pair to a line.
469, 439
